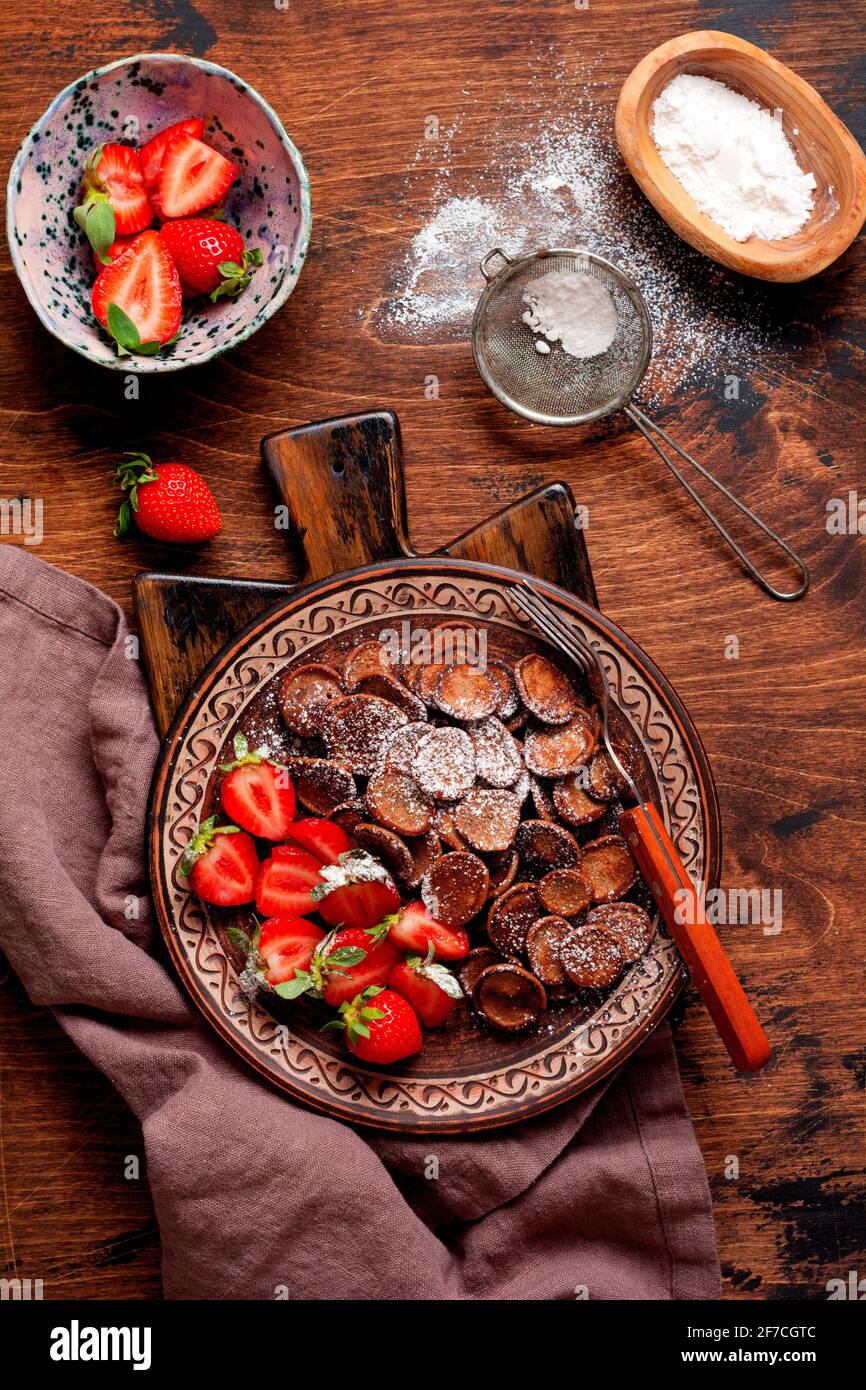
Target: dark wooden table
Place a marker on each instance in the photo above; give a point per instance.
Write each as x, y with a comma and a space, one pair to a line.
783, 723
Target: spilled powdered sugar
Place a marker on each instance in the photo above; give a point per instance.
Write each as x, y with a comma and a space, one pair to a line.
562, 183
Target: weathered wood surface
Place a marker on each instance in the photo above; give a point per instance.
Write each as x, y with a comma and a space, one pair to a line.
783, 723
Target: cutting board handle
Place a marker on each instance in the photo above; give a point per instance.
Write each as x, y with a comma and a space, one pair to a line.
341, 482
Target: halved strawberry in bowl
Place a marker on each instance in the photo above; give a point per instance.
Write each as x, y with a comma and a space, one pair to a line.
152, 153
357, 891
342, 963
284, 884
138, 297
416, 930
192, 177
221, 864
257, 793
116, 201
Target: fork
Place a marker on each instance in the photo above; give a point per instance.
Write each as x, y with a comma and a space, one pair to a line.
680, 904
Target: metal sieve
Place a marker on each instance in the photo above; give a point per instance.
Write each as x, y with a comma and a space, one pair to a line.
556, 388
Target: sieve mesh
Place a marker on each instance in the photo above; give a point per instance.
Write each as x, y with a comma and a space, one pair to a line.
555, 388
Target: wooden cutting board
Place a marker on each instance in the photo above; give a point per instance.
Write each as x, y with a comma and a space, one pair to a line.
340, 485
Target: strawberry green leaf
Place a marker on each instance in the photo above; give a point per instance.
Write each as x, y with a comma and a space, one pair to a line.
239, 939
347, 955
236, 277
138, 458
122, 329
96, 218
130, 476
294, 988
382, 928
124, 519
244, 756
126, 335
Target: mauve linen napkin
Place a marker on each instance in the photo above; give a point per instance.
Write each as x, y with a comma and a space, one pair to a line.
605, 1197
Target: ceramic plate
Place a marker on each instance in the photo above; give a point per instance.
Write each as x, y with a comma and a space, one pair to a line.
464, 1079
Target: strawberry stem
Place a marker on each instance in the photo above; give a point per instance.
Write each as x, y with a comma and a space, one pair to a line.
202, 841
236, 275
130, 476
356, 1014
95, 215
243, 756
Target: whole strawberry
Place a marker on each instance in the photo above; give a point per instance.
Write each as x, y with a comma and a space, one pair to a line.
169, 501
379, 1026
210, 257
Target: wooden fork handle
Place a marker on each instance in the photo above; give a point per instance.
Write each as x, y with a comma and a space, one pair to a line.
699, 946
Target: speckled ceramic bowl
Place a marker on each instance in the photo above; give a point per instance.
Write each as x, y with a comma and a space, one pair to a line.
129, 101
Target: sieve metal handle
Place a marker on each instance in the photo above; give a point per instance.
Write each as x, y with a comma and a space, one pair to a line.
485, 263
649, 429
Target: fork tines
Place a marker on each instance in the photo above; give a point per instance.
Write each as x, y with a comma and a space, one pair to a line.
546, 617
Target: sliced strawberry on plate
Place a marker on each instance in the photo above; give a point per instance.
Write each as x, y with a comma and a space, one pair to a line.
416, 930
221, 863
286, 946
342, 963
115, 197
379, 1026
354, 959
193, 177
429, 987
138, 299
321, 837
258, 794
357, 891
284, 885
152, 153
